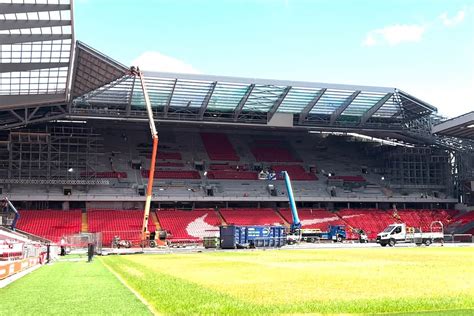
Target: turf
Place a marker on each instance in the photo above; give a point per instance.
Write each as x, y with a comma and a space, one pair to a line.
70, 288
434, 281
396, 281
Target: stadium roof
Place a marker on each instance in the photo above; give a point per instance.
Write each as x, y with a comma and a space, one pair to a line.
45, 74
230, 99
461, 126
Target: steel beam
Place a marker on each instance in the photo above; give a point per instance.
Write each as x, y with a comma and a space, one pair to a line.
240, 106
168, 102
11, 67
367, 115
8, 102
22, 120
206, 100
337, 112
277, 103
304, 114
26, 38
27, 24
8, 8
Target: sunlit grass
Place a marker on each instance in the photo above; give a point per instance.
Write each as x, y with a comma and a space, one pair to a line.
70, 288
288, 281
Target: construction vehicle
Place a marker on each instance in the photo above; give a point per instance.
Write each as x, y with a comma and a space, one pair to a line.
400, 233
336, 233
135, 72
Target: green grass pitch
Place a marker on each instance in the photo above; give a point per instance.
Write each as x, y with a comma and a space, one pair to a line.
399, 281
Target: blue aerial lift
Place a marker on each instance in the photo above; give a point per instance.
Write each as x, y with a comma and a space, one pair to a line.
336, 233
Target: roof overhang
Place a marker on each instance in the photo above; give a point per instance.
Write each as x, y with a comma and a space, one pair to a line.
36, 41
461, 126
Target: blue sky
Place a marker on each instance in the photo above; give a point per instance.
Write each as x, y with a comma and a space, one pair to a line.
424, 47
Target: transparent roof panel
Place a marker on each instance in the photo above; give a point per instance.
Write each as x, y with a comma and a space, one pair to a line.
226, 96
330, 101
35, 46
297, 99
362, 103
263, 97
200, 93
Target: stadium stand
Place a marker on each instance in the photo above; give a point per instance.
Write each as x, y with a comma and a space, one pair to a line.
185, 226
125, 224
464, 218
106, 175
272, 154
173, 174
163, 155
251, 216
313, 218
372, 221
218, 147
296, 172
231, 174
50, 224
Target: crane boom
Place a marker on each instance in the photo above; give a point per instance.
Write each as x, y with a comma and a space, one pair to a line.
154, 135
296, 223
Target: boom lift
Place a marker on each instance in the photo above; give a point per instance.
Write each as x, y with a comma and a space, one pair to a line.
336, 233
154, 135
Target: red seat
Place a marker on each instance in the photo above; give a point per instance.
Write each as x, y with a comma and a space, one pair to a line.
50, 224
313, 218
218, 147
173, 174
232, 175
126, 224
296, 172
186, 226
251, 216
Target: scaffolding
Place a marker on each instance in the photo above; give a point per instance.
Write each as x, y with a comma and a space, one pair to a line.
58, 154
422, 168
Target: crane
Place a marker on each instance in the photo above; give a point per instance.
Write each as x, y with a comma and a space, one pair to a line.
154, 135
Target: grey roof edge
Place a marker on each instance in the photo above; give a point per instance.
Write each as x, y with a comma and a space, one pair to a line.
259, 81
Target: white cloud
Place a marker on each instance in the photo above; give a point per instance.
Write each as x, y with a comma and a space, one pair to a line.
156, 61
458, 18
395, 34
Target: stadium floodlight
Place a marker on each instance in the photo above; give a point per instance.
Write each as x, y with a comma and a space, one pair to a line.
382, 178
70, 170
205, 173
470, 126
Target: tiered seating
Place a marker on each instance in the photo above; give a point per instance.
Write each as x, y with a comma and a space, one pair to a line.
218, 147
167, 155
273, 154
173, 174
185, 226
349, 178
126, 224
296, 172
313, 218
464, 218
105, 175
226, 167
169, 164
50, 224
251, 216
372, 221
423, 218
232, 175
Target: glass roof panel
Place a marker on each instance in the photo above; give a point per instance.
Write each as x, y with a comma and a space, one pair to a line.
35, 50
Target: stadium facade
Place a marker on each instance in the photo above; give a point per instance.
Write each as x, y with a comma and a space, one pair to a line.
74, 132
